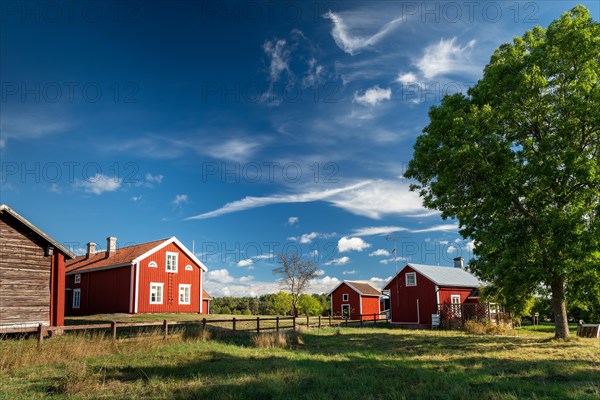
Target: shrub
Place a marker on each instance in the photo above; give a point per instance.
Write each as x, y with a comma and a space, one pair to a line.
486, 327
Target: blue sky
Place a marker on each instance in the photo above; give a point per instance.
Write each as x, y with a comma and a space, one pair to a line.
245, 128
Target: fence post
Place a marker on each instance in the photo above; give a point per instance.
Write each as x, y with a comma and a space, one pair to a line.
40, 334
347, 318
203, 324
166, 329
257, 324
294, 322
113, 330
233, 321
330, 320
497, 315
361, 320
319, 322
277, 324
307, 321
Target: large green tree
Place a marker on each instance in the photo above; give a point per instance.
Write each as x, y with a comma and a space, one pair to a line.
517, 162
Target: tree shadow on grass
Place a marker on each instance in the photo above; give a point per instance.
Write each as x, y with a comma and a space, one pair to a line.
351, 366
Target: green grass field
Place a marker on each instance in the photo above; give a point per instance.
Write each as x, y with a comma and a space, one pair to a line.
349, 363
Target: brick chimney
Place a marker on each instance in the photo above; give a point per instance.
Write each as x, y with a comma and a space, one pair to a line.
111, 246
458, 262
91, 249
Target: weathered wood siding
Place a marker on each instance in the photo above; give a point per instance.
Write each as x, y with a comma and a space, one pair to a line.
25, 274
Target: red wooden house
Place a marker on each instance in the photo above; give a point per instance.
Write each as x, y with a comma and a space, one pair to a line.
417, 290
351, 299
32, 274
155, 277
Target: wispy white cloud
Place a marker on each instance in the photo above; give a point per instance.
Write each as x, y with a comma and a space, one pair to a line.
236, 149
351, 272
372, 199
451, 249
154, 178
386, 230
338, 261
279, 57
31, 124
380, 253
180, 199
255, 202
247, 278
307, 238
373, 96
352, 44
98, 184
346, 244
293, 220
447, 57
406, 78
135, 199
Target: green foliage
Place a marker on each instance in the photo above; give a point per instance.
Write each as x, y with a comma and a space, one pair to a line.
309, 305
283, 303
517, 162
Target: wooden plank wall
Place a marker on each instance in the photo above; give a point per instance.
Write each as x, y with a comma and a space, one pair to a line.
24, 275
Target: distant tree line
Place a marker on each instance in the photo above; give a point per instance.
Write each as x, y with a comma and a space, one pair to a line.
271, 304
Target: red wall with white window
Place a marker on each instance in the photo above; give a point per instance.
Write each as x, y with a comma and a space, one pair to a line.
102, 292
353, 301
406, 300
171, 282
446, 294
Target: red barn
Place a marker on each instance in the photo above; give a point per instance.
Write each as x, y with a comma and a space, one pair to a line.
353, 299
156, 277
417, 289
32, 274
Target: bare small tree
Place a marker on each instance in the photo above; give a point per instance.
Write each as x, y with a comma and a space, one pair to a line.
295, 275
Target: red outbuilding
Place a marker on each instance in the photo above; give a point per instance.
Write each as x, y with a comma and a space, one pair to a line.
417, 290
206, 299
155, 277
32, 274
351, 299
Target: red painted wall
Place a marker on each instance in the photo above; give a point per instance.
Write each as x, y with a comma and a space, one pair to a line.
205, 306
353, 301
370, 305
57, 290
171, 283
445, 294
102, 292
403, 300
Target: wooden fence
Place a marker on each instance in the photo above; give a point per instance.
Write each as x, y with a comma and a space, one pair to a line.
453, 316
257, 325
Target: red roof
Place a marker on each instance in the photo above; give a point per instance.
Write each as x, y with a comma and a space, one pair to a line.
364, 288
206, 296
124, 255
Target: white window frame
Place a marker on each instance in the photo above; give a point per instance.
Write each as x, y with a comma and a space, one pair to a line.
152, 264
189, 268
189, 293
345, 297
162, 292
76, 296
414, 276
349, 311
77, 278
456, 306
176, 257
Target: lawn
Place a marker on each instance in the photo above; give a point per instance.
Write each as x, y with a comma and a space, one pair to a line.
349, 363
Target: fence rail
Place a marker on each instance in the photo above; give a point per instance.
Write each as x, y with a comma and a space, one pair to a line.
257, 325
455, 315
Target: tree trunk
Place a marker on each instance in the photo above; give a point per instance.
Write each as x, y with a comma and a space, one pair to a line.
559, 307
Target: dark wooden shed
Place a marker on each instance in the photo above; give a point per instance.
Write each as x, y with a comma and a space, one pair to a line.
32, 274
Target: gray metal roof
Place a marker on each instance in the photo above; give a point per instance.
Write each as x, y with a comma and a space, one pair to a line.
447, 276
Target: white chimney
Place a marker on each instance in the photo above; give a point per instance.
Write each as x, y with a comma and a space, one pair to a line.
111, 246
91, 249
458, 262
